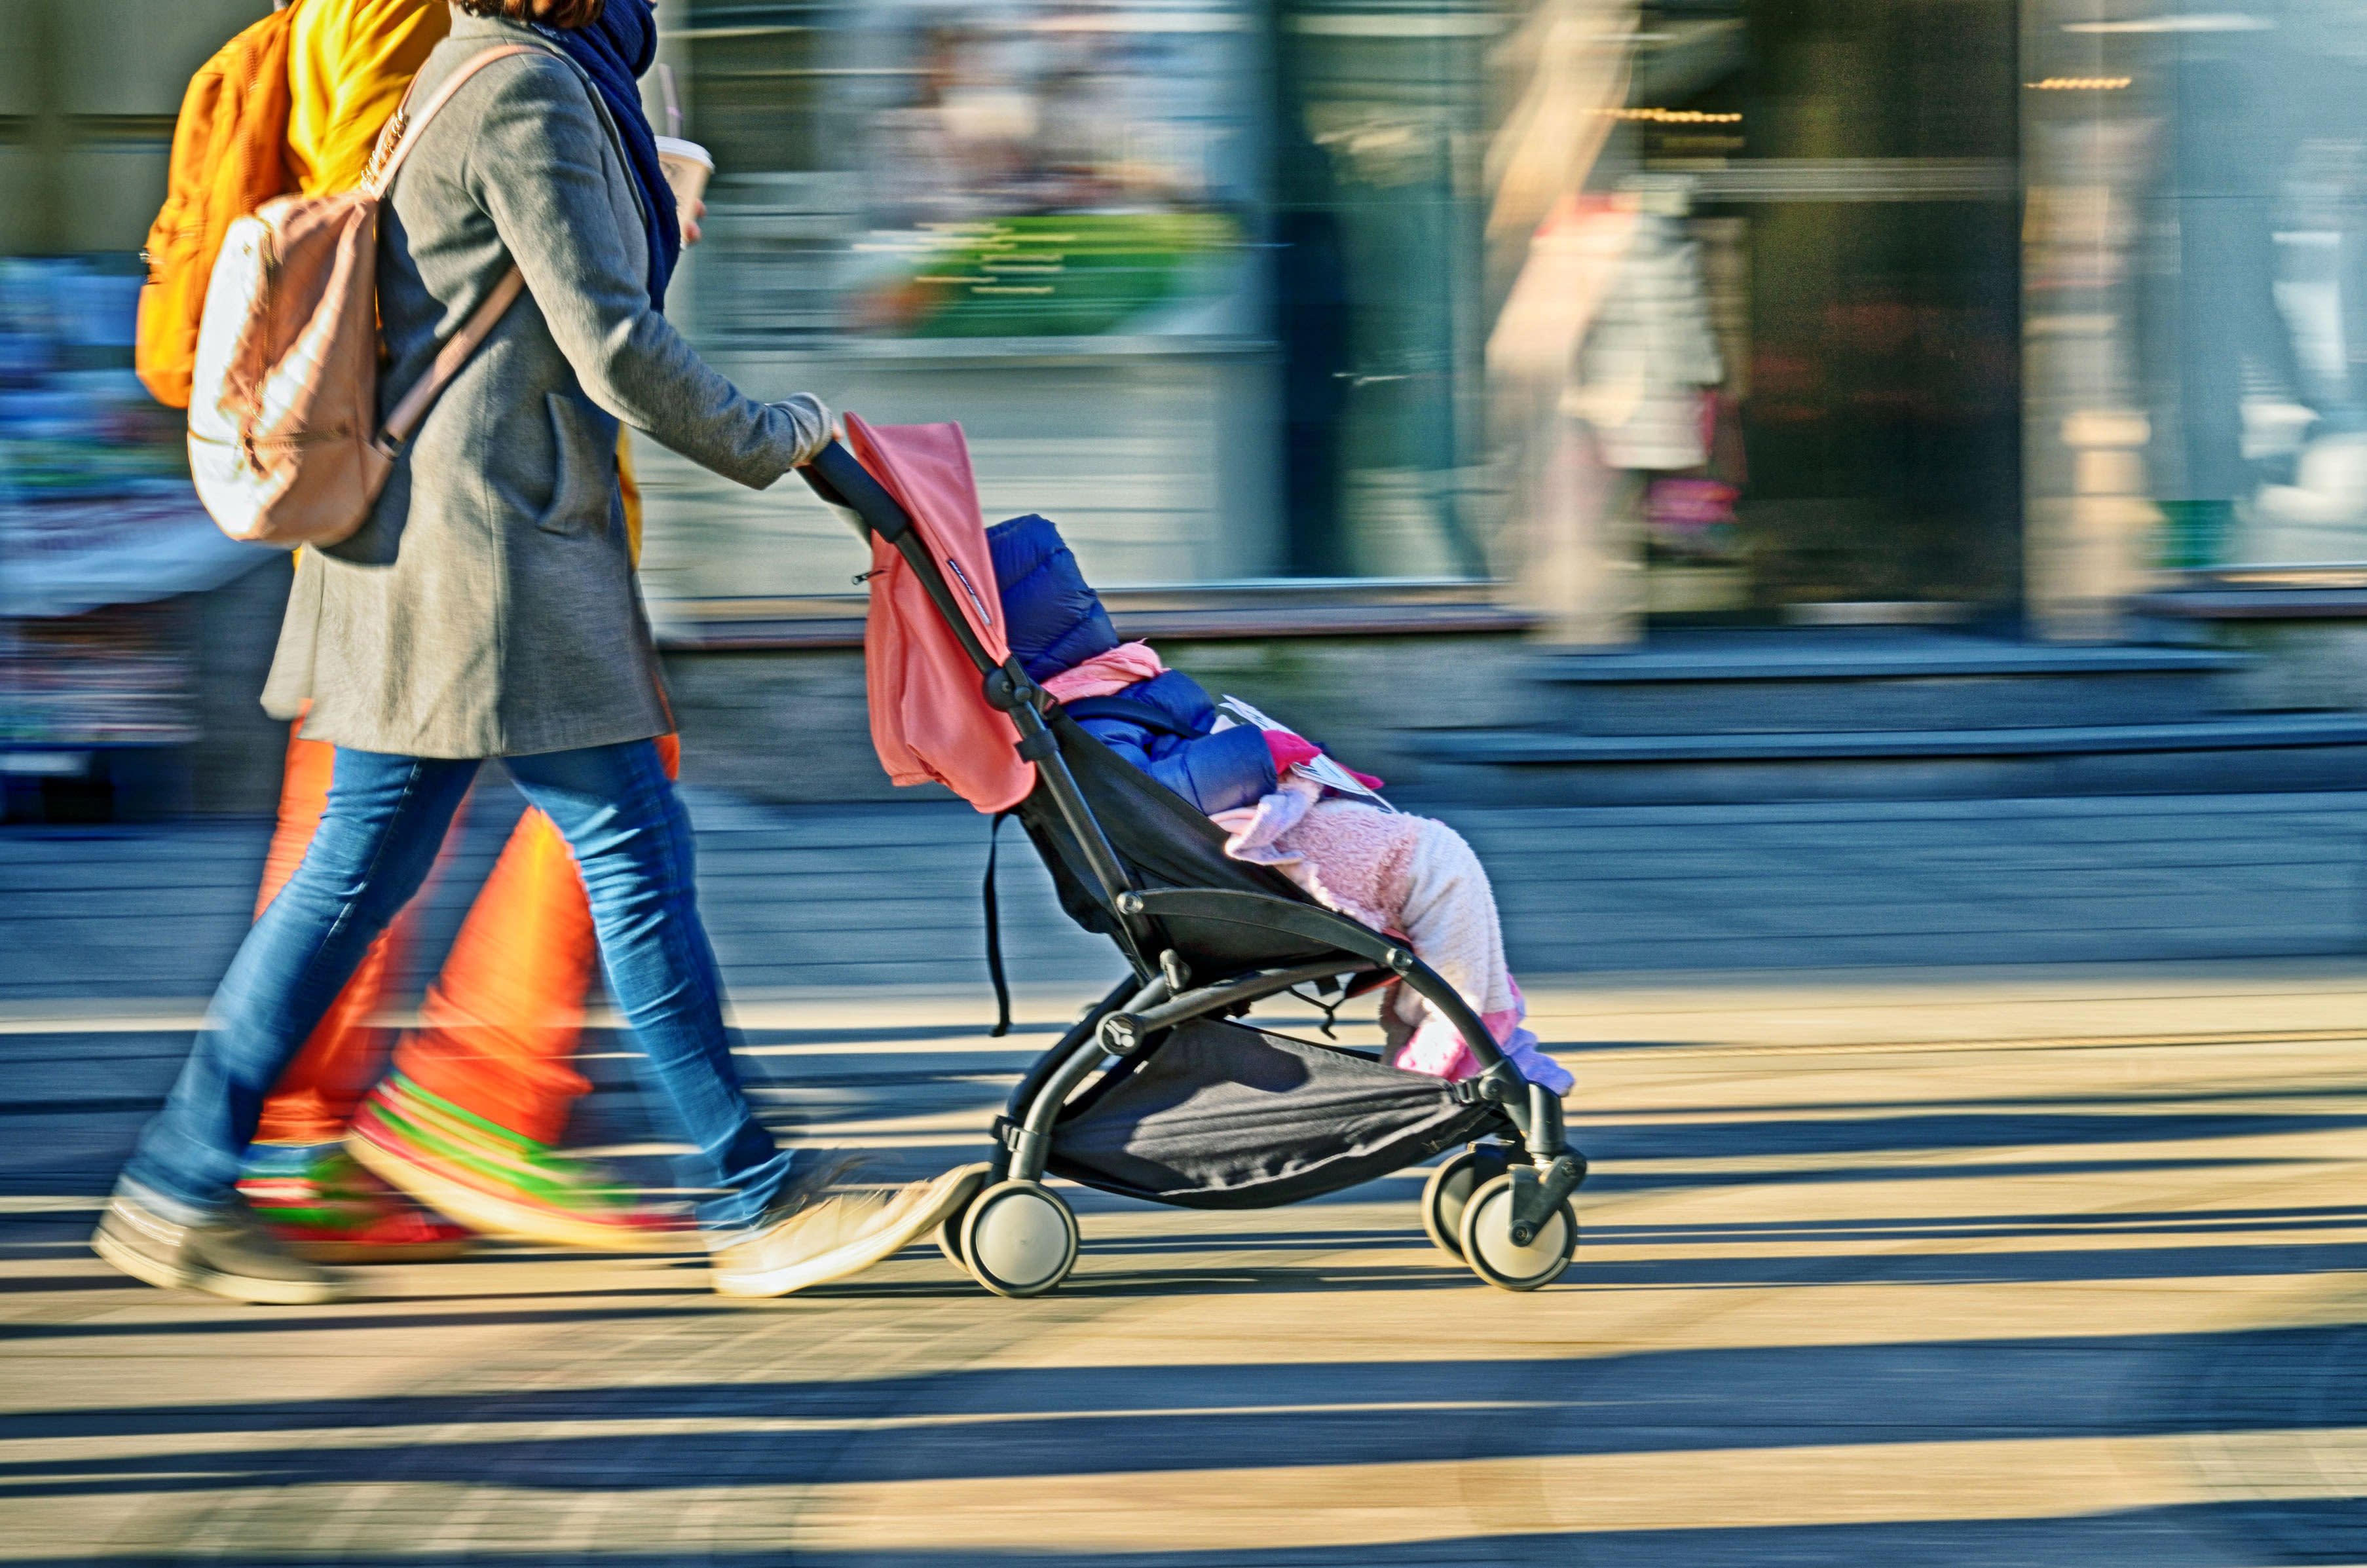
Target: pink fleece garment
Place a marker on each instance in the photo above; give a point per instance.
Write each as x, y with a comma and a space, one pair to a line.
927, 723
1106, 675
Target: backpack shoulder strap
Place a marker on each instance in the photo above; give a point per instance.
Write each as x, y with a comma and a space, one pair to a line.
402, 131
404, 417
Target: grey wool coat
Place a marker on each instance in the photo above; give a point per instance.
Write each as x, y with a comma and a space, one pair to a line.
489, 606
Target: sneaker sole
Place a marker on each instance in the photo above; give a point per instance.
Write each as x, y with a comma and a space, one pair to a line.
139, 1265
955, 1187
498, 1216
235, 1287
376, 1252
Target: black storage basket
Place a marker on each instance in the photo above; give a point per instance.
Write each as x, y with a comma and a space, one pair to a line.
1221, 1116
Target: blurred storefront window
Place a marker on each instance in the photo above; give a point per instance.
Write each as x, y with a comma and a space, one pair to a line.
1382, 116
1202, 279
2242, 137
100, 530
1045, 220
1759, 358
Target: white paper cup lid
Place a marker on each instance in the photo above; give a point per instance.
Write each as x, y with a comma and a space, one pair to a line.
675, 146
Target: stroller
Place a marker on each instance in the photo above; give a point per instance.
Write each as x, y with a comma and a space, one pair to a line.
1157, 1091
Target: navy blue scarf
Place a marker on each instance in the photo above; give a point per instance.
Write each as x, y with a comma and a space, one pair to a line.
614, 52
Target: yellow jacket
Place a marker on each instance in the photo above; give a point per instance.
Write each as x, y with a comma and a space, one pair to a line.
349, 63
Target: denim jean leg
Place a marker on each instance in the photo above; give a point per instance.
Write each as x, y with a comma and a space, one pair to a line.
385, 820
633, 841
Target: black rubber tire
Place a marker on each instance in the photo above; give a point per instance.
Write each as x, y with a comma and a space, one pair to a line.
1450, 1187
1488, 1241
949, 1239
1019, 1239
949, 1230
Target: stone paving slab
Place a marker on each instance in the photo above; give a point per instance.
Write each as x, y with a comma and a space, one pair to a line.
805, 897
2060, 1266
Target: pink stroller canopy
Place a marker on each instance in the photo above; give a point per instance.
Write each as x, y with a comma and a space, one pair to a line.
930, 719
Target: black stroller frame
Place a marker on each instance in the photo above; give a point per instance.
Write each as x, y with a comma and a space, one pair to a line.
1500, 1206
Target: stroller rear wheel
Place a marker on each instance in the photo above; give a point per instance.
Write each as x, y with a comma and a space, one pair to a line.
1488, 1243
1450, 1188
1019, 1239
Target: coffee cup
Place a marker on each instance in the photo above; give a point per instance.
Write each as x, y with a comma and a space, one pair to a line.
689, 166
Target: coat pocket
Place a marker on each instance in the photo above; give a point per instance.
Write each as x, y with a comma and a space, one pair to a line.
584, 486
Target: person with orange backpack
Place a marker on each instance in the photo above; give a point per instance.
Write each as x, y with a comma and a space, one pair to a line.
479, 1095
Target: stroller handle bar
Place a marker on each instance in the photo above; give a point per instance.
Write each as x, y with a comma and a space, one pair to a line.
839, 478
842, 481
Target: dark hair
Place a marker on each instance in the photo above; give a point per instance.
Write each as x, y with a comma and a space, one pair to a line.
550, 13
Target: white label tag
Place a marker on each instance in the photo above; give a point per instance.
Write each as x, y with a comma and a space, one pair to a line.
1319, 768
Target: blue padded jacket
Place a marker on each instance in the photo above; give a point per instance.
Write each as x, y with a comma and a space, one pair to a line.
1054, 622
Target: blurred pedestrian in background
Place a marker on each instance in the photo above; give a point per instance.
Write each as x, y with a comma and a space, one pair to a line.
479, 1095
489, 609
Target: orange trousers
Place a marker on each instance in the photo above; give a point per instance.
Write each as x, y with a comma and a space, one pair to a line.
500, 1024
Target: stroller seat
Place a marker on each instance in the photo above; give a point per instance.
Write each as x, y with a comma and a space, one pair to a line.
1214, 1114
1158, 1092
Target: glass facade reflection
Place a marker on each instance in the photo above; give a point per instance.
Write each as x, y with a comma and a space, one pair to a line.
2244, 138
1762, 309
1219, 282
1765, 340
1046, 220
1379, 199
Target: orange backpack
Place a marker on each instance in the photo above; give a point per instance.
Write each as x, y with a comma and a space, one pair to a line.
230, 156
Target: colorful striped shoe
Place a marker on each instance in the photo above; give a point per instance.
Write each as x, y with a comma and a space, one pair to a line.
496, 1181
316, 1201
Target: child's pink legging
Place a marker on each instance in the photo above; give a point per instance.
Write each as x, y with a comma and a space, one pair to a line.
1417, 878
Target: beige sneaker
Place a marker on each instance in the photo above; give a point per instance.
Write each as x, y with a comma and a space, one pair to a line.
230, 1255
834, 1235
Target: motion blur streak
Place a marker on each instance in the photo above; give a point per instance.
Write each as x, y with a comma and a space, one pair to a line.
1856, 511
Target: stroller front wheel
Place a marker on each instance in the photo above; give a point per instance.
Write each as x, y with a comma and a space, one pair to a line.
1019, 1239
949, 1230
949, 1239
1489, 1248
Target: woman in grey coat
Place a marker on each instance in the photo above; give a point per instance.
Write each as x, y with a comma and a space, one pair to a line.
488, 608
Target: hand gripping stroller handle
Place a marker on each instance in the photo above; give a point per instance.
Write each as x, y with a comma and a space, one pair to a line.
840, 480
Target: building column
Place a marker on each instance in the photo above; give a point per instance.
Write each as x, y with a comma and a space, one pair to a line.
2090, 526
1573, 544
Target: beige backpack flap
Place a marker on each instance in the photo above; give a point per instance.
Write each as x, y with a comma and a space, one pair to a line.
404, 132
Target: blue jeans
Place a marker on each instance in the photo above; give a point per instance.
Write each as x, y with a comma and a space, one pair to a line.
385, 819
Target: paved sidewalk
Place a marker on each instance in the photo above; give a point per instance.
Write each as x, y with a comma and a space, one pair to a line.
2057, 1268
800, 898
